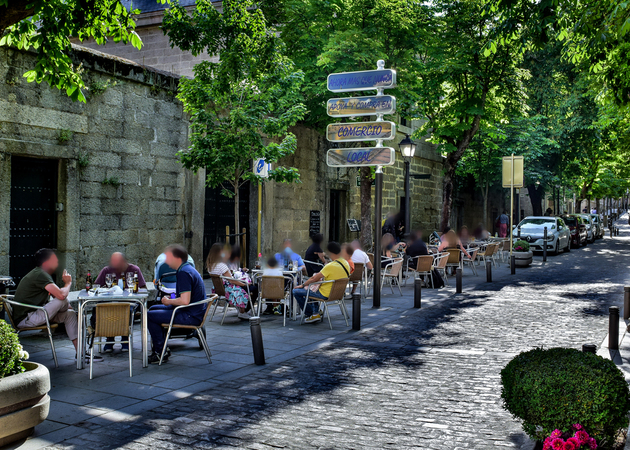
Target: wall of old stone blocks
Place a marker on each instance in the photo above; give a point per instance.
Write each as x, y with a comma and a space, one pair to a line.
120, 181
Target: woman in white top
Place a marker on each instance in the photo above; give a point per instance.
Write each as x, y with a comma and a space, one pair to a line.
236, 295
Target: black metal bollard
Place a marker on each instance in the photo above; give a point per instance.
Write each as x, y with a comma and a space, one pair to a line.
458, 280
611, 232
613, 328
356, 311
519, 232
626, 302
589, 348
488, 271
417, 293
513, 264
257, 342
545, 245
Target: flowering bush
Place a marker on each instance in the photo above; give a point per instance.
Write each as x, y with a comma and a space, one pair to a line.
521, 246
579, 440
11, 352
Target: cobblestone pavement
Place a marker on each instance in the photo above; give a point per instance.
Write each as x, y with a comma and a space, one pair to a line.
429, 380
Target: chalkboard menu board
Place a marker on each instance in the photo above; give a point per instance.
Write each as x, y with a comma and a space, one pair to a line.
354, 225
314, 223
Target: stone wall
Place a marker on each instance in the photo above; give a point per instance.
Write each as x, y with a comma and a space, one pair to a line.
120, 182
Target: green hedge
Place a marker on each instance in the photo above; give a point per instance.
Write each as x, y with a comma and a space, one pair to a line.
10, 351
559, 387
522, 244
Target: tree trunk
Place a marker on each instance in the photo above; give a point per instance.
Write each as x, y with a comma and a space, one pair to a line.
485, 204
366, 207
597, 206
236, 213
447, 199
535, 196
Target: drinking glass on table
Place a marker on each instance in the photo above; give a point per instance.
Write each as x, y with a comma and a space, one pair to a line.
130, 282
295, 265
109, 280
96, 287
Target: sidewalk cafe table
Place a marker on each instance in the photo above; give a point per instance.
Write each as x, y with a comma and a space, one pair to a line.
296, 275
84, 299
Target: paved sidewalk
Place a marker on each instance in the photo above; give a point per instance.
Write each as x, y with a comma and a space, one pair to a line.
410, 379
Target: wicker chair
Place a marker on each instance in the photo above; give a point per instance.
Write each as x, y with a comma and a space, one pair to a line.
358, 277
471, 261
9, 302
454, 258
336, 296
201, 328
440, 265
392, 271
272, 291
112, 319
423, 268
219, 289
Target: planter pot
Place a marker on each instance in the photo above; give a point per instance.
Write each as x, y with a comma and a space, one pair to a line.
24, 402
523, 259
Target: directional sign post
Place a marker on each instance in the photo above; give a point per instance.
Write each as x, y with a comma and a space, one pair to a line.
377, 131
513, 178
261, 168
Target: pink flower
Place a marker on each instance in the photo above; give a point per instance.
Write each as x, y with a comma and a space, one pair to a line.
556, 433
569, 446
577, 426
592, 444
557, 444
547, 446
574, 441
582, 436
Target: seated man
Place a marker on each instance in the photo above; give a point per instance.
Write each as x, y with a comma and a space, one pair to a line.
417, 246
337, 269
118, 266
36, 287
161, 269
359, 256
189, 289
287, 255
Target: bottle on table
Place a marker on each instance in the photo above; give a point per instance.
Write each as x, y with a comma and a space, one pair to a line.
121, 281
88, 282
258, 261
135, 283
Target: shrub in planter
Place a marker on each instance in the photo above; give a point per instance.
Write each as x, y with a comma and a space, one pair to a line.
11, 352
559, 387
521, 246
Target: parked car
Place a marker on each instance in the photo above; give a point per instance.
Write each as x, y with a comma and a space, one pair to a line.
578, 229
590, 230
532, 228
599, 226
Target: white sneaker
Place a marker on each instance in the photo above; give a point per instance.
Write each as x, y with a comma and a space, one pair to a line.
312, 319
244, 315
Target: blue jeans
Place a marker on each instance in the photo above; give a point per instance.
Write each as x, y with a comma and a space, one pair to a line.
311, 308
159, 314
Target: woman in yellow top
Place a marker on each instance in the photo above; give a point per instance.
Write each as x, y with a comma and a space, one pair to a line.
337, 269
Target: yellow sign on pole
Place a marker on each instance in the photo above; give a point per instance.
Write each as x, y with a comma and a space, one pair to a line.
513, 171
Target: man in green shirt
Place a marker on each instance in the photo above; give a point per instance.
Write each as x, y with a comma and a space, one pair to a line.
35, 289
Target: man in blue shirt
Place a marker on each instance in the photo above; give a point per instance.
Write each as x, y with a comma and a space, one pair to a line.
288, 255
189, 289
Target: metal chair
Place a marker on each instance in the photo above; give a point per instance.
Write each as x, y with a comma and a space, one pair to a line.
8, 305
392, 271
336, 296
440, 265
112, 319
201, 328
358, 277
454, 258
272, 291
471, 261
219, 289
424, 267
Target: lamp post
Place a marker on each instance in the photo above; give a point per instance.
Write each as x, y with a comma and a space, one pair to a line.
408, 149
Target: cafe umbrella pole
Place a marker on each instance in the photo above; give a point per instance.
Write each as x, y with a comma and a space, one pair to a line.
378, 211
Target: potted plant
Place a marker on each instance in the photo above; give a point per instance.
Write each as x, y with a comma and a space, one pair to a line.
523, 256
24, 387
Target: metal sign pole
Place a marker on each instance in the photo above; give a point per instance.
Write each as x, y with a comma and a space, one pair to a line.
511, 209
378, 205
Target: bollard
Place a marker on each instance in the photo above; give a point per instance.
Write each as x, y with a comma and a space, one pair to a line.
458, 280
488, 271
545, 245
519, 232
257, 342
611, 232
417, 293
613, 328
589, 348
626, 302
356, 312
513, 264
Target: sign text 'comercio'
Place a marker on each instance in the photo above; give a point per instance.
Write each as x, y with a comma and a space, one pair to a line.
363, 131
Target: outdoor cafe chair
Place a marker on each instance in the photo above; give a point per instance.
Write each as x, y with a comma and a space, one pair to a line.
234, 282
423, 268
9, 303
337, 293
358, 277
488, 253
391, 272
201, 328
454, 258
112, 319
272, 290
219, 289
466, 261
440, 265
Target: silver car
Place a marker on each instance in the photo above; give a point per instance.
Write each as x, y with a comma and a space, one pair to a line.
590, 229
532, 230
599, 226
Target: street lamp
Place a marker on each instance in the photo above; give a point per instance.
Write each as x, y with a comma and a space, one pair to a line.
408, 149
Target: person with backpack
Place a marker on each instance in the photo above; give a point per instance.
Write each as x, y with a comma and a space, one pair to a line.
337, 269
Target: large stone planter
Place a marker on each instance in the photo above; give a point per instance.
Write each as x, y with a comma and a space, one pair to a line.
24, 402
523, 259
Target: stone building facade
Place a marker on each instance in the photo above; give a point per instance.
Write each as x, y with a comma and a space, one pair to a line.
97, 177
